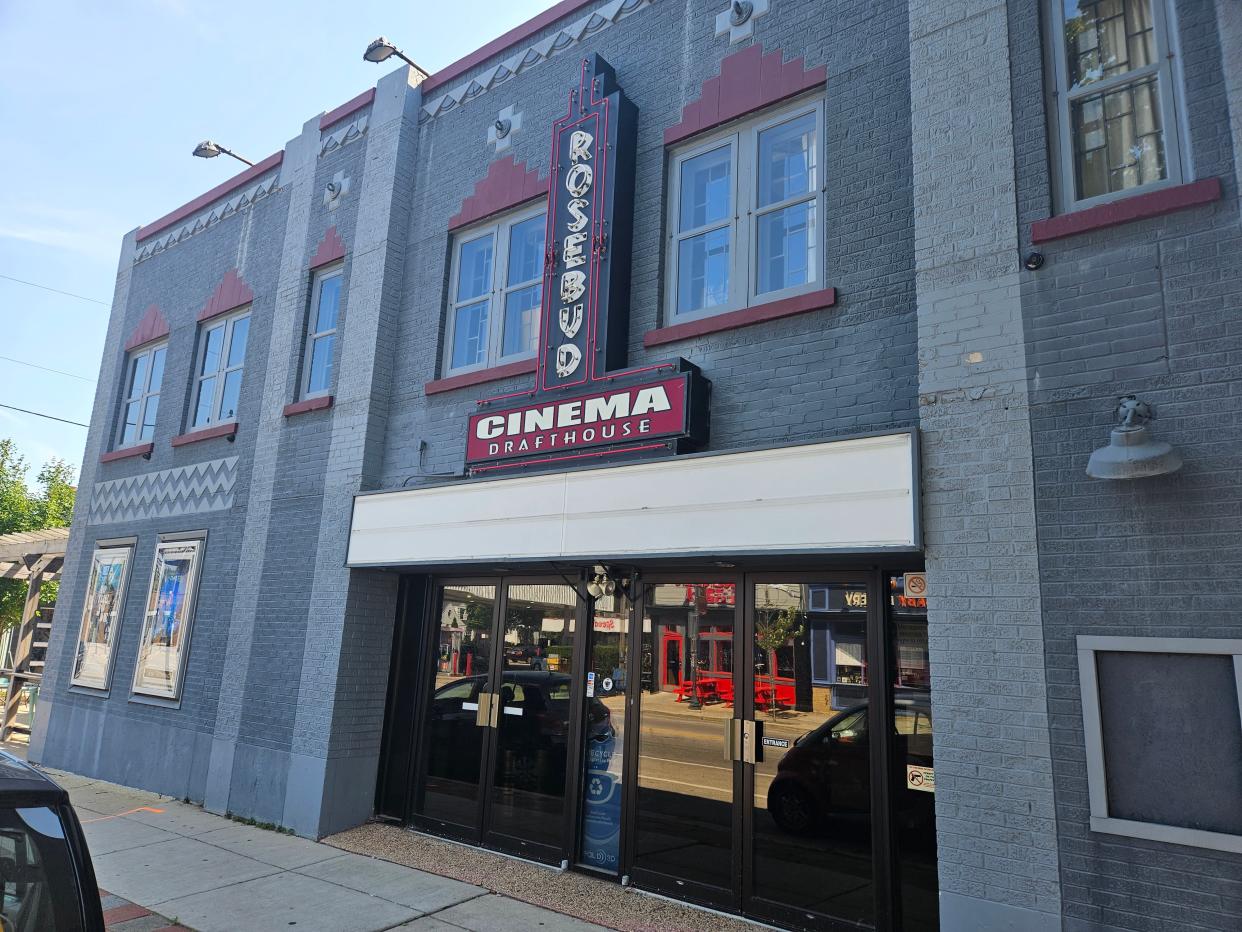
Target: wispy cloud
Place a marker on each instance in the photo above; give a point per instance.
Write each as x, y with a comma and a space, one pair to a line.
71, 230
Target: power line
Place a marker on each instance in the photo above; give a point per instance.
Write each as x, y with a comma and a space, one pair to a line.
22, 362
50, 417
80, 297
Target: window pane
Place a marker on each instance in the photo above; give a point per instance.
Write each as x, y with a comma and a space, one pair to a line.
214, 344
329, 304
99, 618
522, 309
787, 160
130, 431
202, 406
1104, 38
470, 335
137, 375
706, 188
703, 270
526, 250
148, 419
237, 343
320, 364
787, 248
228, 399
474, 268
157, 370
167, 618
1117, 140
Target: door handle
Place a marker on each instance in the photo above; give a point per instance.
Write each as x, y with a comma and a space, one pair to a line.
750, 741
733, 739
483, 717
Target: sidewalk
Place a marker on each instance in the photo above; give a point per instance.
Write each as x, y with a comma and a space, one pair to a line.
204, 872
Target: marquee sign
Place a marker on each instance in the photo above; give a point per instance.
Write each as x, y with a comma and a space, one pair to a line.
585, 404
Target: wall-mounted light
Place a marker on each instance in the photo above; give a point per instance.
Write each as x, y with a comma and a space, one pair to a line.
606, 582
380, 50
1034, 261
740, 12
1132, 452
209, 150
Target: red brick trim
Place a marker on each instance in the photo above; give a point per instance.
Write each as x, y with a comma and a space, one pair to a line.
330, 248
219, 191
507, 184
152, 327
349, 107
498, 45
786, 307
1127, 209
141, 449
228, 429
494, 374
308, 404
230, 294
748, 81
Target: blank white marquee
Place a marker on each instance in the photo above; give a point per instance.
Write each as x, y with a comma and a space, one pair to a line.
849, 495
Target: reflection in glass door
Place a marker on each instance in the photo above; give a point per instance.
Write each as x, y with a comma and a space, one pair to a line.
527, 792
454, 746
809, 843
684, 820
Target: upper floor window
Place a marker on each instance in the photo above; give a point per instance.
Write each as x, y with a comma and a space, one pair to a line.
221, 357
496, 292
325, 308
746, 211
1116, 98
143, 375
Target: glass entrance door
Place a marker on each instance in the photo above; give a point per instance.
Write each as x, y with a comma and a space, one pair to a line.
809, 837
495, 750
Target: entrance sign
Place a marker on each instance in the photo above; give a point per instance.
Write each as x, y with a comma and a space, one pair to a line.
585, 404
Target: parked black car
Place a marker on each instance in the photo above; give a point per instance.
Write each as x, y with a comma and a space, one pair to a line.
47, 883
826, 774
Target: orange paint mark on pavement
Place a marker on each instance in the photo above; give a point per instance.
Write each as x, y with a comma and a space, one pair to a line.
125, 813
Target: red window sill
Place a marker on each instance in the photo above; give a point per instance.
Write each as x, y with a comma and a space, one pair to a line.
494, 374
207, 433
773, 310
1127, 210
142, 449
308, 404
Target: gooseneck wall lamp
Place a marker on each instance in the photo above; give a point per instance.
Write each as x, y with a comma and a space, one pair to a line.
209, 150
1132, 452
380, 50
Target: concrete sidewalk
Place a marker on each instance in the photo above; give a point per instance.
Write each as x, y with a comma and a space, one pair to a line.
212, 874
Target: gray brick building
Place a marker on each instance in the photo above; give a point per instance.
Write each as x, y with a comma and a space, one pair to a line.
376, 520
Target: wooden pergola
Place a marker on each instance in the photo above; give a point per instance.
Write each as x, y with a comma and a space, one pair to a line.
36, 557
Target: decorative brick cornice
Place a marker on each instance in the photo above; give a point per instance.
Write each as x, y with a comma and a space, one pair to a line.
1127, 209
230, 294
507, 184
786, 307
308, 404
152, 327
364, 99
330, 248
748, 81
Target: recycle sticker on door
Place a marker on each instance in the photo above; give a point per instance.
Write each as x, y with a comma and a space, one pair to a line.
920, 778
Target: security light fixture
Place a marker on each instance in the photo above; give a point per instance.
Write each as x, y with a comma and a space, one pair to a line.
1132, 452
740, 12
380, 50
1034, 262
209, 150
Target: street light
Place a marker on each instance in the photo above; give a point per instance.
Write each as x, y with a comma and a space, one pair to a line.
380, 50
209, 150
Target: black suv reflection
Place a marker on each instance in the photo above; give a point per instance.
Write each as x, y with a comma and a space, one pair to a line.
826, 774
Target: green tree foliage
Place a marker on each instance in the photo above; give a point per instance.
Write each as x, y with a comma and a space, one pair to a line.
21, 509
772, 632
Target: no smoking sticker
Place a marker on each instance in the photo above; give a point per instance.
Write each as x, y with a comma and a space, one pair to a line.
915, 584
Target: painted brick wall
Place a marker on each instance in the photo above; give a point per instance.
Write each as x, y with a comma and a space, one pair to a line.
996, 821
1150, 308
853, 365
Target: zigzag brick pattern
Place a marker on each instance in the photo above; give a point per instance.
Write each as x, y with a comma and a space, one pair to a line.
167, 493
508, 183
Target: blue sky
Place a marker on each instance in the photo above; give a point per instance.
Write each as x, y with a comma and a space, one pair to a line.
100, 105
